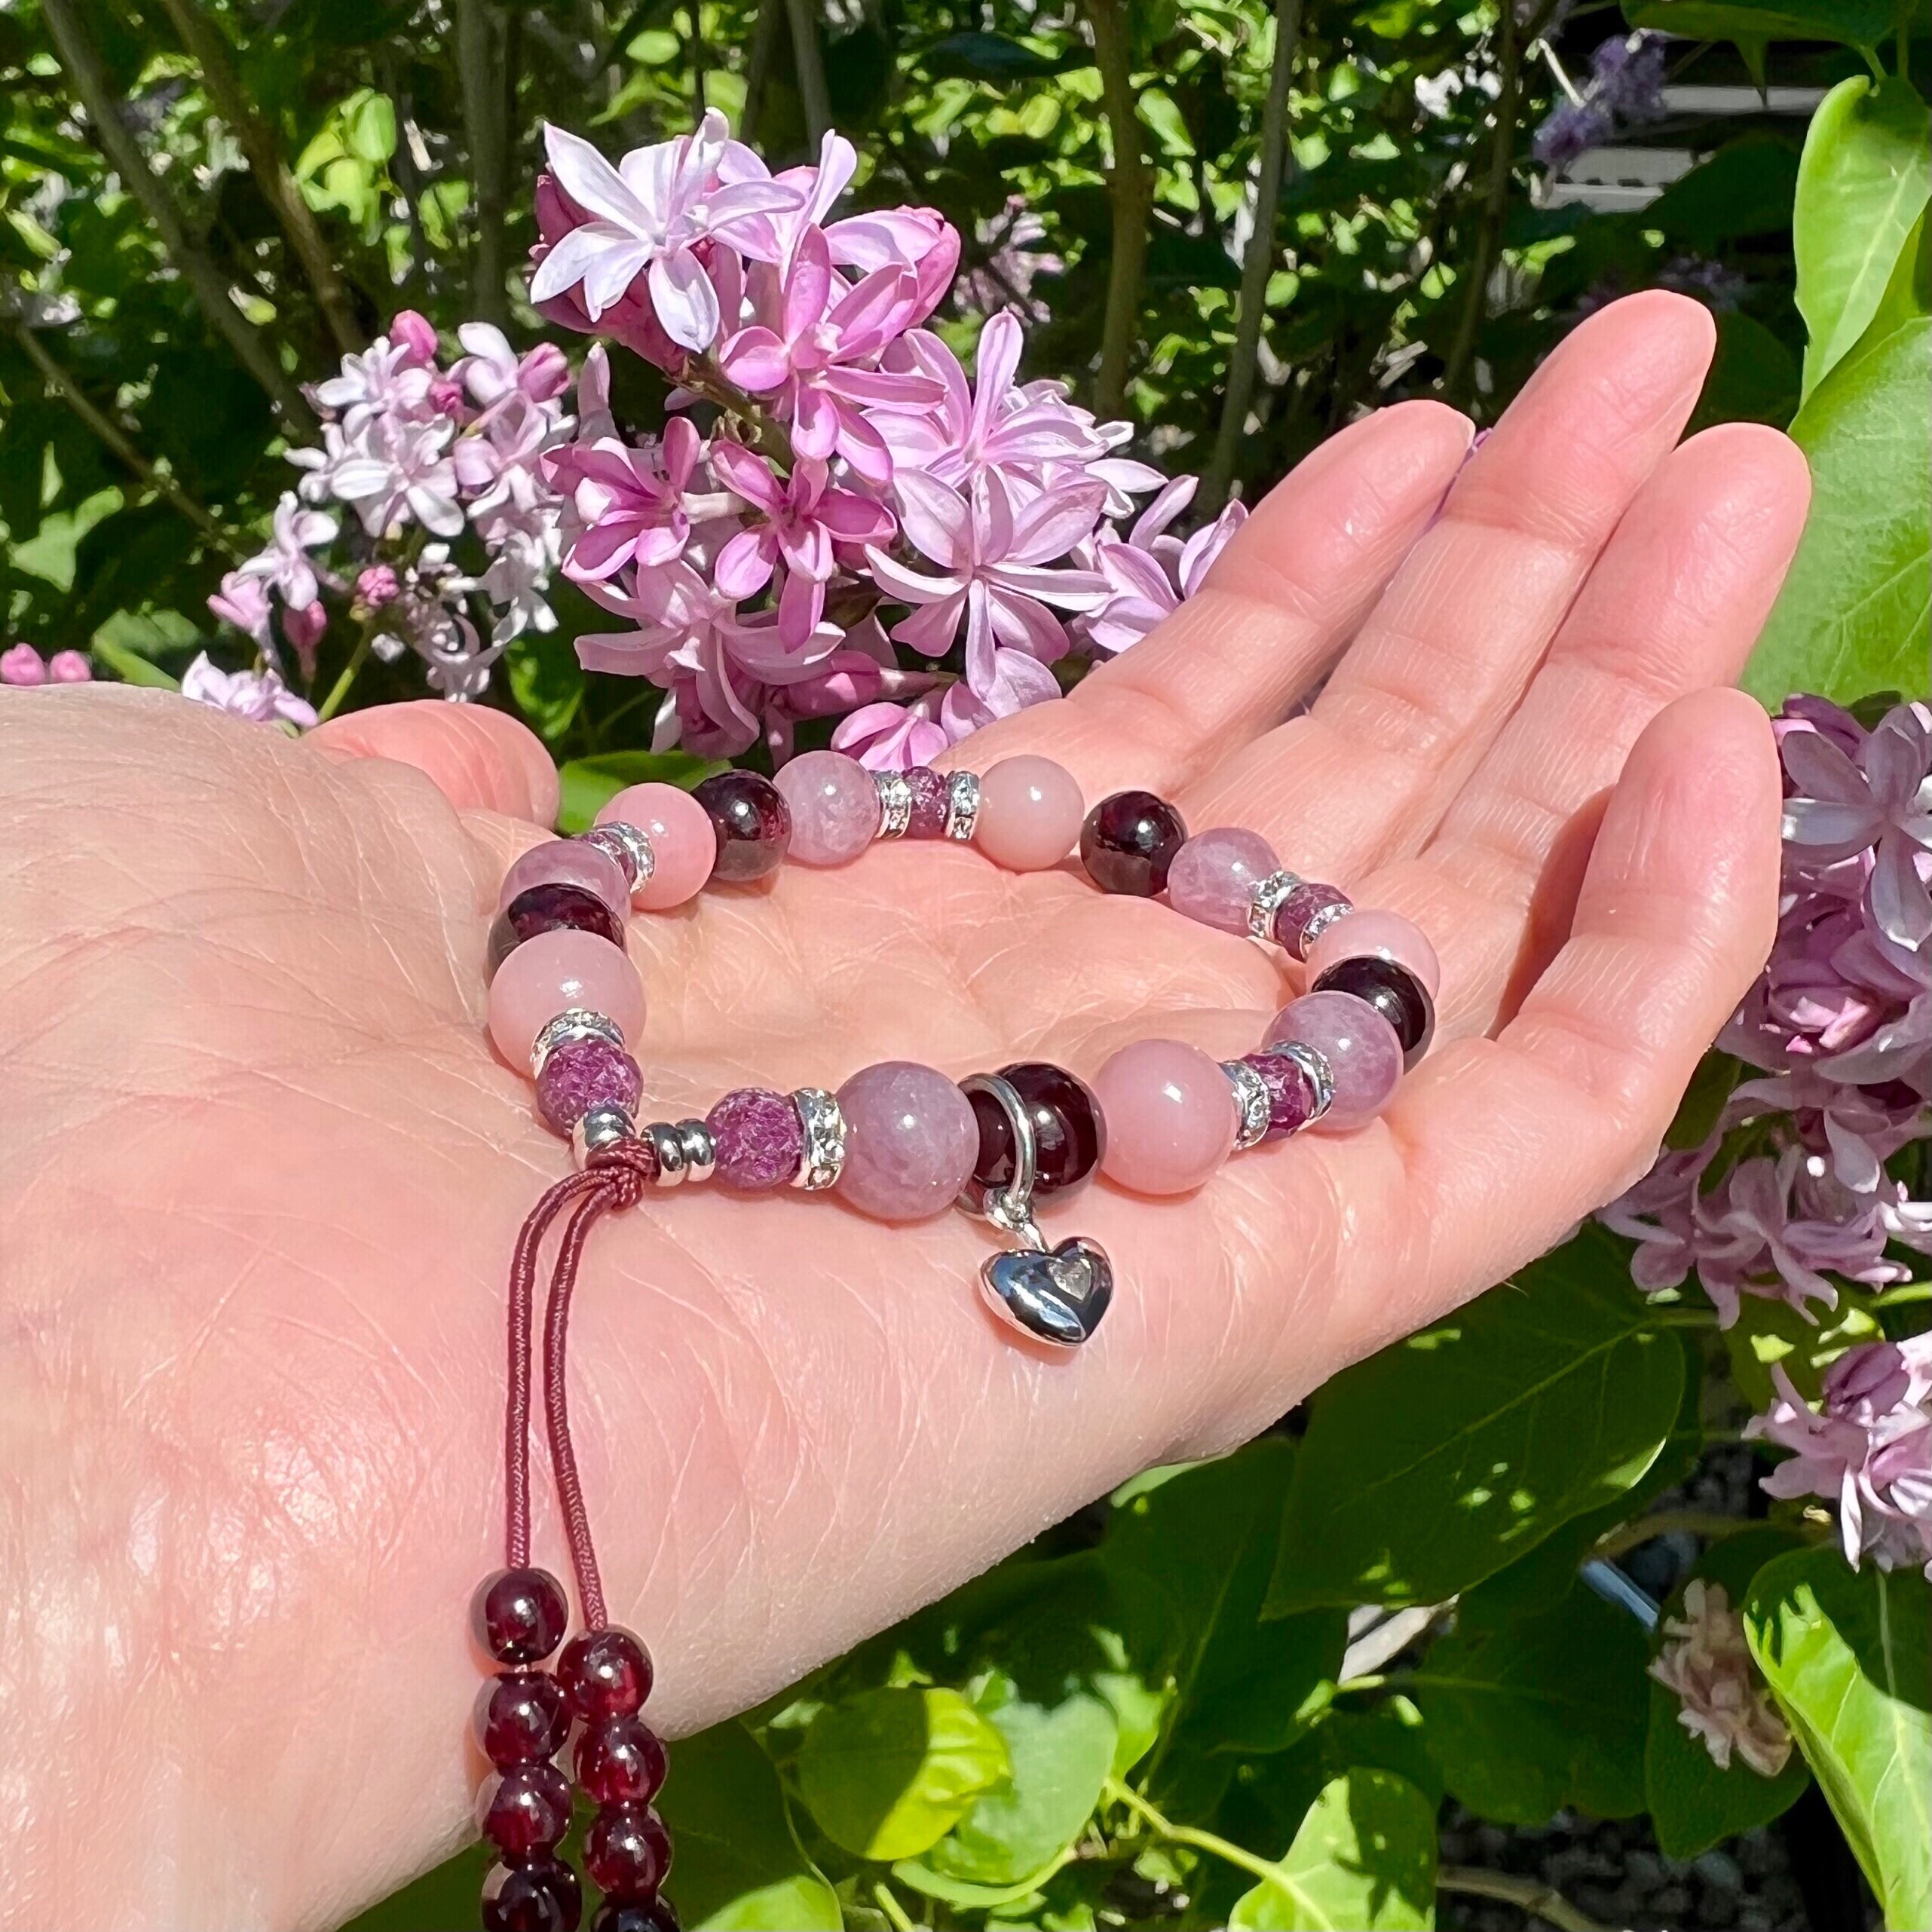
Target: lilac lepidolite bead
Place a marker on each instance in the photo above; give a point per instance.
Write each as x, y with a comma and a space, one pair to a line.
759, 1138
580, 1074
1214, 874
912, 1140
1359, 1045
834, 807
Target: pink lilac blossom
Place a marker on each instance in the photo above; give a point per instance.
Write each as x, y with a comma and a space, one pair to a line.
1625, 90
260, 696
1725, 1706
1867, 1447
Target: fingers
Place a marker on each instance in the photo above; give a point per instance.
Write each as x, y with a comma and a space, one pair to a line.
1507, 1142
1675, 605
1451, 648
479, 759
1288, 592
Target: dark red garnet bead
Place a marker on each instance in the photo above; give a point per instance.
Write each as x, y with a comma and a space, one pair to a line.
522, 1717
1128, 841
1394, 991
752, 820
656, 1915
620, 1761
520, 1615
627, 1851
551, 908
604, 1673
524, 1810
540, 1894
1070, 1131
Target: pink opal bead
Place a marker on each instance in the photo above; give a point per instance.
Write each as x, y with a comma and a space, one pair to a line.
1030, 814
1214, 874
1360, 1046
553, 971
1170, 1116
911, 1141
1370, 934
683, 842
569, 862
834, 807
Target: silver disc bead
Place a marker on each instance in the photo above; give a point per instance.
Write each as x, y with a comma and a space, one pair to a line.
1268, 895
822, 1158
895, 802
962, 805
700, 1150
668, 1144
1314, 1063
574, 1023
1252, 1109
599, 1127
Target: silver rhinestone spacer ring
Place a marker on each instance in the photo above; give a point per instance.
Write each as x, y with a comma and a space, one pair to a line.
1252, 1109
1319, 922
1314, 1063
895, 792
962, 805
574, 1023
640, 861
1269, 896
822, 1157
599, 1127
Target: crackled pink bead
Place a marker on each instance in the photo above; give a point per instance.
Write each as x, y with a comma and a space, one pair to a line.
1170, 1116
1369, 935
1360, 1046
553, 971
569, 862
683, 842
1030, 814
759, 1138
911, 1141
580, 1074
1214, 874
834, 807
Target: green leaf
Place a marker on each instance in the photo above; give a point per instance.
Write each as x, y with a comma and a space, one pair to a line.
368, 126
590, 784
739, 1869
987, 57
1852, 616
127, 663
889, 1772
546, 681
1774, 1331
1848, 1655
1745, 189
1526, 1714
1908, 294
1434, 1464
1693, 1804
1753, 376
1863, 183
1364, 1860
1853, 22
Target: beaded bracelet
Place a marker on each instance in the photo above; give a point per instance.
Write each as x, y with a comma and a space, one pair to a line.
899, 1141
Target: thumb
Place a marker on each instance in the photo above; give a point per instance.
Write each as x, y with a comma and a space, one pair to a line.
479, 759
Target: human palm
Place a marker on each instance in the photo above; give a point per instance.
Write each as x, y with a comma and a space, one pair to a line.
260, 1172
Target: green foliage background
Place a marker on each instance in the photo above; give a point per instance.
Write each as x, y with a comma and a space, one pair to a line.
1147, 1717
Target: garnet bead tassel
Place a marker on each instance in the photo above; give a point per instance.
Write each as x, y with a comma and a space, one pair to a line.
620, 1761
524, 1810
657, 1915
519, 1616
521, 1719
604, 1673
626, 1851
539, 1894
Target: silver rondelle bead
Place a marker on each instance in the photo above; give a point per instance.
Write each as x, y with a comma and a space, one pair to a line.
699, 1150
633, 855
1314, 1063
822, 1157
1319, 922
1267, 900
668, 1144
599, 1127
574, 1023
895, 792
962, 805
1253, 1110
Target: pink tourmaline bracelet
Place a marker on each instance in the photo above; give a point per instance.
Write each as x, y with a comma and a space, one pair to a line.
899, 1141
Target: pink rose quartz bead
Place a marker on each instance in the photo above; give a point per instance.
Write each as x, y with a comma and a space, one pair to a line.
683, 842
1214, 874
1359, 1045
911, 1141
1170, 1116
551, 973
1030, 814
1387, 935
569, 862
834, 807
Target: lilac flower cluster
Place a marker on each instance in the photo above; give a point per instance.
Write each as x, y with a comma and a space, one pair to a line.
1625, 90
1792, 1186
21, 665
854, 471
1726, 1705
421, 455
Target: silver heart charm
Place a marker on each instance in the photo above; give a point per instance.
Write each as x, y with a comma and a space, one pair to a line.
1058, 1295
